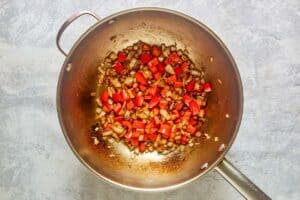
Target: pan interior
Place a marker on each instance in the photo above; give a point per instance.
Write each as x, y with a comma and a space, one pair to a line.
76, 106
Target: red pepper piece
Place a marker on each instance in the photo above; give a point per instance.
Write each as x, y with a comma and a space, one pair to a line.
117, 108
138, 101
147, 97
185, 66
194, 107
154, 101
155, 111
193, 122
161, 67
156, 119
145, 57
163, 104
187, 99
207, 87
121, 56
117, 97
138, 124
142, 87
178, 71
145, 47
153, 62
149, 127
130, 105
178, 84
157, 75
142, 147
173, 58
165, 130
153, 69
183, 139
107, 107
178, 106
141, 78
186, 116
118, 67
127, 124
171, 79
119, 119
152, 136
134, 142
191, 129
153, 90
104, 96
125, 95
156, 51
190, 86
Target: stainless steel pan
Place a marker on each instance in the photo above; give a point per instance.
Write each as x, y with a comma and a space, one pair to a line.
151, 172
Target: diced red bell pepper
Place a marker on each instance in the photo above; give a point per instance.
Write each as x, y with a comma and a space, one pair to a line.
163, 104
153, 69
148, 97
178, 71
117, 97
171, 79
191, 129
134, 142
117, 108
173, 58
165, 130
129, 105
142, 147
194, 107
107, 127
138, 101
138, 124
118, 67
183, 139
207, 87
154, 101
161, 67
145, 47
153, 90
178, 84
104, 96
118, 119
153, 62
107, 107
185, 66
187, 99
125, 95
178, 106
145, 57
152, 136
142, 87
190, 86
127, 124
121, 56
156, 51
141, 78
157, 75
186, 116
193, 122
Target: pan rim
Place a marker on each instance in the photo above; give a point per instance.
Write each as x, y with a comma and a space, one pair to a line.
168, 187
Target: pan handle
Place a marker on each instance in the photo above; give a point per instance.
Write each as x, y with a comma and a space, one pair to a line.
68, 22
240, 182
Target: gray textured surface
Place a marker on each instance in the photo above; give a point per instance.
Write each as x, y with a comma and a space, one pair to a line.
35, 161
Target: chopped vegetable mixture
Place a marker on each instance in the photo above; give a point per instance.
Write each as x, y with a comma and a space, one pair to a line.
152, 98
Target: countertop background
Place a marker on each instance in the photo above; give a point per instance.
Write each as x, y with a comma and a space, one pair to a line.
36, 162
